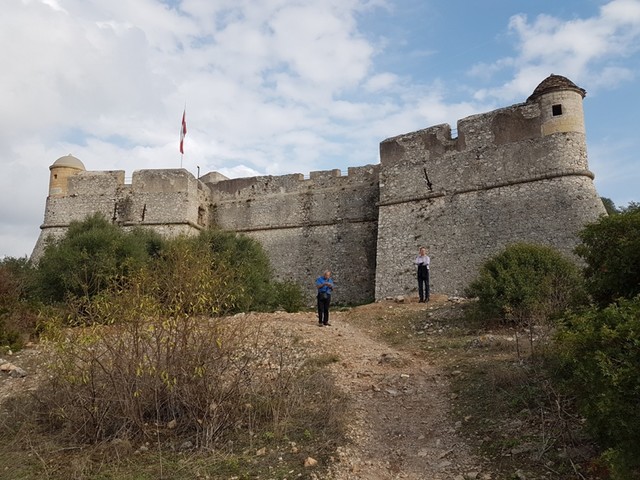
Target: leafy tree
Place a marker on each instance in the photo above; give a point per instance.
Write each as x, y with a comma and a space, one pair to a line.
600, 348
611, 250
631, 207
609, 206
92, 254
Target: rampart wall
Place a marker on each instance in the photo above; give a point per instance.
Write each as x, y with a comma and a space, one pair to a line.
504, 179
172, 202
516, 174
328, 221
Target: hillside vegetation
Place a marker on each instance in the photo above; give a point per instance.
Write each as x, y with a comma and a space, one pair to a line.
150, 372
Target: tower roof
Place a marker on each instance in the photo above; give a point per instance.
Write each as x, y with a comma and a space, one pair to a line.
68, 161
553, 83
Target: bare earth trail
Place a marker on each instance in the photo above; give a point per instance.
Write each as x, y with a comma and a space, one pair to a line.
400, 425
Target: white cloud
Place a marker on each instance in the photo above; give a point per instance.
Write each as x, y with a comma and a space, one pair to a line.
382, 81
580, 49
273, 86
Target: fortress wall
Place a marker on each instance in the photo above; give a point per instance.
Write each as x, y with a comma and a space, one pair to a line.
61, 211
508, 177
160, 208
163, 181
461, 231
306, 226
302, 254
168, 200
154, 197
172, 202
514, 174
503, 146
96, 183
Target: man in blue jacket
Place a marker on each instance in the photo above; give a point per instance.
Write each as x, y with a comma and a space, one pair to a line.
324, 284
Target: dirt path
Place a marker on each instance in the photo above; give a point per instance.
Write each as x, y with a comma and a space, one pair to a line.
400, 428
400, 425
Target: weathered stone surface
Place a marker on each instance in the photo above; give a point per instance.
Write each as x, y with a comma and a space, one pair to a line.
516, 174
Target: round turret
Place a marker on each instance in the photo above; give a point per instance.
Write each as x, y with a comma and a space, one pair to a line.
560, 103
61, 170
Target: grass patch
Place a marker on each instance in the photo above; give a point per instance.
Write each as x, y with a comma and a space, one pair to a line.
322, 360
503, 402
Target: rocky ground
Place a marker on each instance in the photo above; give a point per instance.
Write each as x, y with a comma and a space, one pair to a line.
400, 427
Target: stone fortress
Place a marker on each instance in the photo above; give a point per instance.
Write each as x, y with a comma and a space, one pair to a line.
516, 174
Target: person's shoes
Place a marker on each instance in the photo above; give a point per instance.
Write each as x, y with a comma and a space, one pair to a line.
426, 300
421, 301
327, 324
321, 324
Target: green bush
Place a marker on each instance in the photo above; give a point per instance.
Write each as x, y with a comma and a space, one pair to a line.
17, 317
526, 281
611, 251
252, 280
599, 358
288, 296
214, 273
92, 254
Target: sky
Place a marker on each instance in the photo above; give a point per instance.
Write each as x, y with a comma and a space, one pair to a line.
274, 87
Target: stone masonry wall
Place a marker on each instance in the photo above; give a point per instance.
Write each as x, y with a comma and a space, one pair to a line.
171, 202
307, 226
501, 181
516, 174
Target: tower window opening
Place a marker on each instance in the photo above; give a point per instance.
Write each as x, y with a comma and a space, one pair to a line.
556, 110
55, 176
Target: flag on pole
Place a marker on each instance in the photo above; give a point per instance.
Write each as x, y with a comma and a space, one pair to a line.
183, 130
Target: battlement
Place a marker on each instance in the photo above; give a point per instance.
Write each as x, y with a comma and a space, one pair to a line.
251, 187
163, 181
515, 174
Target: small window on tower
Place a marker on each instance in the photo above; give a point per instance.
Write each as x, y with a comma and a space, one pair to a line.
55, 176
556, 110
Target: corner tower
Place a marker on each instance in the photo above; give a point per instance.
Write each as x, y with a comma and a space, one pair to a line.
515, 174
560, 102
61, 170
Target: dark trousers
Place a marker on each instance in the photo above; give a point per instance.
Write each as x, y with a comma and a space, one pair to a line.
323, 309
423, 283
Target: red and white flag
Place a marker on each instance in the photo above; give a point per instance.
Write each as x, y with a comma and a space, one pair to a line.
183, 130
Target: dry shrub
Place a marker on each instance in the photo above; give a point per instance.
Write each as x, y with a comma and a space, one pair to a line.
505, 376
169, 379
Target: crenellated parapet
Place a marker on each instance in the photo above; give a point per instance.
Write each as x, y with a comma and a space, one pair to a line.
515, 174
506, 146
171, 201
286, 201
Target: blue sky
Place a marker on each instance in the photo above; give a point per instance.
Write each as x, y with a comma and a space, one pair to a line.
291, 86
